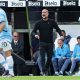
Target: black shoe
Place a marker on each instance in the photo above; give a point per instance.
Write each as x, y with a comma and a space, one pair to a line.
47, 71
8, 75
68, 73
60, 74
6, 72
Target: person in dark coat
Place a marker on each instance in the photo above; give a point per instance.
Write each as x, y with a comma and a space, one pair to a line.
45, 27
17, 46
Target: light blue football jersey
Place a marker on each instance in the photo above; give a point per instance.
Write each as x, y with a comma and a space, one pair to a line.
7, 31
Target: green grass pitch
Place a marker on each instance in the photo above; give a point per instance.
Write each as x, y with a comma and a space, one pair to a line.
42, 78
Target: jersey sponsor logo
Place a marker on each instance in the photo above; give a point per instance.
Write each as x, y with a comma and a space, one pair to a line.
51, 3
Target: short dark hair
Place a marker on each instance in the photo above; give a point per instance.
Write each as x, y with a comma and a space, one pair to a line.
63, 31
78, 37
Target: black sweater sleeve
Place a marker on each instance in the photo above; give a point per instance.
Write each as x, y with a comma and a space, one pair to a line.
57, 28
36, 27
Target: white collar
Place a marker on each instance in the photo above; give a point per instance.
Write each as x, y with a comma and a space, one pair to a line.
15, 41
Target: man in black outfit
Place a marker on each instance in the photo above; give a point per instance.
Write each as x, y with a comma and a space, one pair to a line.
17, 46
45, 27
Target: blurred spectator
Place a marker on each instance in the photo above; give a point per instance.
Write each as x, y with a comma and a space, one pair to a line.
18, 47
35, 44
62, 52
75, 57
66, 38
36, 52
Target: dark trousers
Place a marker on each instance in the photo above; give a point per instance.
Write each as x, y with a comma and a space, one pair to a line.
57, 63
67, 62
18, 66
73, 64
48, 49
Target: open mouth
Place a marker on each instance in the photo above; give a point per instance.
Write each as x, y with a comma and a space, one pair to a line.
43, 15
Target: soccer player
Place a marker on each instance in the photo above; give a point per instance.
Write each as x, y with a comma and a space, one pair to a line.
5, 40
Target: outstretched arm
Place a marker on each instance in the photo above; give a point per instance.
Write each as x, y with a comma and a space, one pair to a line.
57, 28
